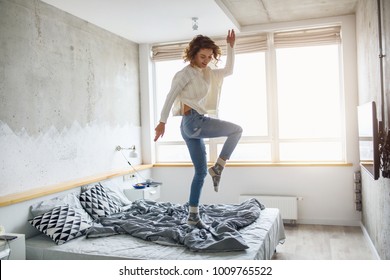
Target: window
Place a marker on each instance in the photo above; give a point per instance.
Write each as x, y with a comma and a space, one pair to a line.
244, 102
309, 103
287, 96
171, 147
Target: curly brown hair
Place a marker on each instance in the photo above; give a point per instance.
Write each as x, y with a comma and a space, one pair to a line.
201, 42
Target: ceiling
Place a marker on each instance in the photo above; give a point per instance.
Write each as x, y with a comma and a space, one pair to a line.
158, 21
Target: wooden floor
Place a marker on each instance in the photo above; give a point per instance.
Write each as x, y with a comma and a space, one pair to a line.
318, 242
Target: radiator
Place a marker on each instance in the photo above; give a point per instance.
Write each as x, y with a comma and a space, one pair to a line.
287, 205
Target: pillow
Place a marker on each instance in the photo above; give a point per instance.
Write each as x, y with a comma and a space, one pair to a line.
71, 199
61, 224
113, 189
98, 203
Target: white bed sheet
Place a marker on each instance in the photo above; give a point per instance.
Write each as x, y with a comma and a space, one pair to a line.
262, 237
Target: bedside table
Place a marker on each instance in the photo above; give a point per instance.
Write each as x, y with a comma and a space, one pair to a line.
17, 247
150, 193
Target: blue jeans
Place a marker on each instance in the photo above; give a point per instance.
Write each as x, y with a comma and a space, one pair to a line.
194, 127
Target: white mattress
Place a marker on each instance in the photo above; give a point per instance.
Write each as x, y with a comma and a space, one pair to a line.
262, 237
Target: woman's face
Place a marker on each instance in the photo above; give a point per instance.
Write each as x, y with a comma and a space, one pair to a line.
202, 58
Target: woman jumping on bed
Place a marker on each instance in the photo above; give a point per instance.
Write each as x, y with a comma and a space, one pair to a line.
194, 92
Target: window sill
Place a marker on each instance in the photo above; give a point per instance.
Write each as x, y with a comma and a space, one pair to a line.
260, 164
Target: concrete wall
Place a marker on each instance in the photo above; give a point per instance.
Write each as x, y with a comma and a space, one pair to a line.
386, 60
69, 95
376, 194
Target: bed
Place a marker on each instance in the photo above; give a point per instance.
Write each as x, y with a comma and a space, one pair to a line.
97, 236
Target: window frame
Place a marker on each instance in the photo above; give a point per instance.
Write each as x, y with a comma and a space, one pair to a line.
272, 118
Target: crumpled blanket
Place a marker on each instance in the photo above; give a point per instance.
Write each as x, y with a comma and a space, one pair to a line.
166, 223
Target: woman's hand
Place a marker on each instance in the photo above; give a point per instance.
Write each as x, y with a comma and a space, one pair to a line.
160, 129
231, 38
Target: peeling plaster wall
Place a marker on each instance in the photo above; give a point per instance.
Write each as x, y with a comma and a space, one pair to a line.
375, 194
69, 94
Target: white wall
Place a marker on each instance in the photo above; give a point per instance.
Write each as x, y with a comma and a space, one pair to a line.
327, 191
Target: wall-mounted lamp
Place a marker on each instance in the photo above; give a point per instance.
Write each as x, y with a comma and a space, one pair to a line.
195, 24
132, 154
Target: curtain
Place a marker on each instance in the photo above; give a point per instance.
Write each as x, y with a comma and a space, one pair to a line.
258, 42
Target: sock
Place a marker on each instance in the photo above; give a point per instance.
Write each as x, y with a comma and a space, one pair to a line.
194, 218
219, 165
193, 209
216, 171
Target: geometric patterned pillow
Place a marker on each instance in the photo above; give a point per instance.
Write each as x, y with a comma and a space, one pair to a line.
61, 224
98, 203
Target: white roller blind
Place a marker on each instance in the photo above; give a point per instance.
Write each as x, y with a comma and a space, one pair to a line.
253, 43
308, 37
244, 44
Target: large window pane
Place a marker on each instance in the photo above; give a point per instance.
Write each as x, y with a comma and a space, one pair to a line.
165, 70
174, 153
250, 152
244, 100
306, 116
315, 151
308, 82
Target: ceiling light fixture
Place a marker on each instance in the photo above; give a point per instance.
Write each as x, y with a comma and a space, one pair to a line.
195, 24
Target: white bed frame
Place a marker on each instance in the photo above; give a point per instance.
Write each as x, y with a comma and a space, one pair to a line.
262, 237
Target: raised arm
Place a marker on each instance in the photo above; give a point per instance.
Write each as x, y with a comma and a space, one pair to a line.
231, 38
